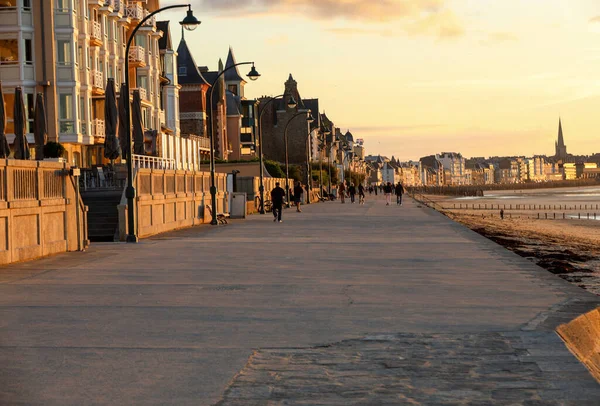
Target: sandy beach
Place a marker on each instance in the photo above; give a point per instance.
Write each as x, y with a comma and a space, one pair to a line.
569, 248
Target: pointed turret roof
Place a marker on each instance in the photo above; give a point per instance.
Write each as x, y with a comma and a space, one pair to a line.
188, 73
232, 75
164, 42
349, 136
561, 141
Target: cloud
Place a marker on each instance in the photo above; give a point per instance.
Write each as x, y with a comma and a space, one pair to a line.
418, 17
594, 24
394, 128
346, 32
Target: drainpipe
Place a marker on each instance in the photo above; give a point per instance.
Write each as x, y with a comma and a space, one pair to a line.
45, 83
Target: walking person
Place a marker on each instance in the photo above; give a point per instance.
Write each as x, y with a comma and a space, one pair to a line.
298, 192
277, 198
387, 190
375, 190
361, 194
352, 192
342, 192
399, 192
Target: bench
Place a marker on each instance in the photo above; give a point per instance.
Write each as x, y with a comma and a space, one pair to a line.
221, 217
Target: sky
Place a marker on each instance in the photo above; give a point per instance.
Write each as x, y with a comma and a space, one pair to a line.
418, 77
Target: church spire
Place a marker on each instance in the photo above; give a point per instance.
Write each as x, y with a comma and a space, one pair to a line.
561, 141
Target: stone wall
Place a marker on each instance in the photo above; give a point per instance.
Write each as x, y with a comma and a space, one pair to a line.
38, 211
582, 337
170, 199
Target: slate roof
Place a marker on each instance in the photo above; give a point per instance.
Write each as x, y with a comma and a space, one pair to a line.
313, 106
232, 75
185, 59
349, 136
164, 42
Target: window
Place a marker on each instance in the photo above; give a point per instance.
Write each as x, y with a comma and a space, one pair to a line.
63, 5
232, 89
65, 113
9, 51
63, 50
82, 115
182, 71
9, 4
27, 4
168, 64
140, 40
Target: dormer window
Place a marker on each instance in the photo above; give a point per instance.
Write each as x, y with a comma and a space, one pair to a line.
233, 89
182, 71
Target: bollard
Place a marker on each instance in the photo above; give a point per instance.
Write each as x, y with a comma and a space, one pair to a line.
588, 216
563, 216
554, 216
579, 216
538, 216
546, 215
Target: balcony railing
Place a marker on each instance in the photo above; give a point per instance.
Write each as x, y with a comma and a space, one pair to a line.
135, 12
119, 7
137, 54
152, 162
143, 93
109, 4
151, 22
95, 31
98, 128
204, 143
97, 79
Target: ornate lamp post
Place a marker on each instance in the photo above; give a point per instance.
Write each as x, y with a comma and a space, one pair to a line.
322, 145
253, 75
285, 137
292, 105
190, 23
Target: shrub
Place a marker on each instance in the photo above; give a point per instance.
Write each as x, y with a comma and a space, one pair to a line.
53, 150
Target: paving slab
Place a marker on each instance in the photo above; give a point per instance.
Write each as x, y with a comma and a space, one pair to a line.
339, 304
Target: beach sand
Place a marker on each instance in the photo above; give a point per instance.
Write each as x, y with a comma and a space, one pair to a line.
569, 248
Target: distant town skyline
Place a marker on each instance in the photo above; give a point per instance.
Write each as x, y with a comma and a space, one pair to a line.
413, 77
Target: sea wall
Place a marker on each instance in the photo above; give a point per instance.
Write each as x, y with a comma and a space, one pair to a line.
582, 337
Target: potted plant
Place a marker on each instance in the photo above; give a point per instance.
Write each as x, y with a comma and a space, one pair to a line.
53, 151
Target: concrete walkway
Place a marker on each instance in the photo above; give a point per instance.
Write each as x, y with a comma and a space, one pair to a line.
340, 304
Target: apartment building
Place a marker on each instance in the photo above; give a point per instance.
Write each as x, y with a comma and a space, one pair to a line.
454, 163
67, 49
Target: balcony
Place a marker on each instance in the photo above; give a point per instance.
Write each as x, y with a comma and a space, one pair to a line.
95, 34
137, 56
204, 143
118, 8
98, 130
150, 23
143, 93
135, 12
108, 6
97, 83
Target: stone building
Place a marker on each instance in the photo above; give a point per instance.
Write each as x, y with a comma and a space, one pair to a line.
67, 50
275, 118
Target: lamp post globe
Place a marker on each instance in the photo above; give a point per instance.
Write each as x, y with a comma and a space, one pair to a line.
190, 22
253, 74
292, 103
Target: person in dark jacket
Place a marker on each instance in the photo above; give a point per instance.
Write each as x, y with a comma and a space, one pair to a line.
277, 198
352, 192
298, 192
399, 192
361, 194
387, 190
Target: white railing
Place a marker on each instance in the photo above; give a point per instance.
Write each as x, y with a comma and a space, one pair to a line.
204, 143
143, 93
109, 3
98, 129
137, 54
135, 11
119, 7
97, 79
96, 30
151, 21
152, 162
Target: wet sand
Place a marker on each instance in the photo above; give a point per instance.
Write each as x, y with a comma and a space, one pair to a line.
569, 248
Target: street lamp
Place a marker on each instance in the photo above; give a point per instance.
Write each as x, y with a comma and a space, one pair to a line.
310, 120
253, 75
285, 138
322, 146
292, 105
190, 23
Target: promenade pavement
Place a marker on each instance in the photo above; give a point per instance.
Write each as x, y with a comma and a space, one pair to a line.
338, 305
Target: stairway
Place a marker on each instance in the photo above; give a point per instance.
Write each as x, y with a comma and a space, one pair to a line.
103, 217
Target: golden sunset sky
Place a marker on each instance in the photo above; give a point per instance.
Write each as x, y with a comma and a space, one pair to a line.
416, 77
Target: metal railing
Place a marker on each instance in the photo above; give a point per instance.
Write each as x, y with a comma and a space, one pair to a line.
204, 143
152, 162
137, 54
